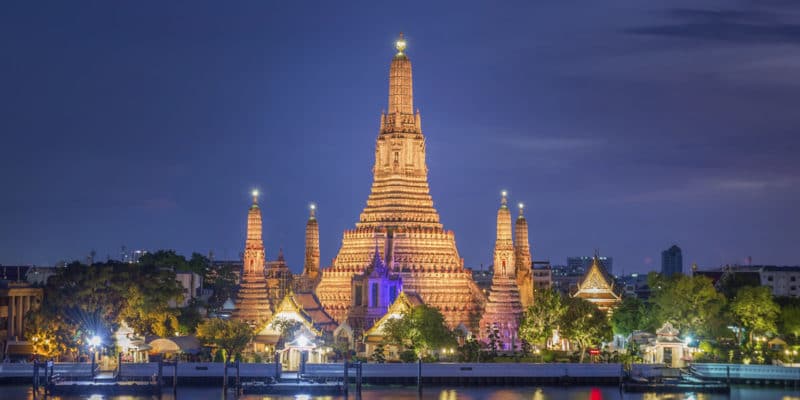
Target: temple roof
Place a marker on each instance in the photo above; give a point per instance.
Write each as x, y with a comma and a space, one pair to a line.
597, 285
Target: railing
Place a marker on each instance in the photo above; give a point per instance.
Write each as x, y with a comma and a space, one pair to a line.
65, 370
746, 372
466, 370
194, 370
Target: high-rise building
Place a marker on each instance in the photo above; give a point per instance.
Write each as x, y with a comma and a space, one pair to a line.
671, 261
579, 265
400, 220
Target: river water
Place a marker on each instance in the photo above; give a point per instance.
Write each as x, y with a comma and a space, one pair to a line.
443, 393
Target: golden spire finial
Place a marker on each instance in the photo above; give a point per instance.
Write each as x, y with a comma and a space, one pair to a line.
255, 196
400, 44
504, 199
312, 209
521, 208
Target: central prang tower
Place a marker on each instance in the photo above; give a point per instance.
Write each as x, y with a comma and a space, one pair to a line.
400, 220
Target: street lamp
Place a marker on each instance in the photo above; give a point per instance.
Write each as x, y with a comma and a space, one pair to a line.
94, 343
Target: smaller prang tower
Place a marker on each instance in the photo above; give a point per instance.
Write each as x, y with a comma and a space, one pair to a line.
522, 259
307, 282
252, 302
503, 309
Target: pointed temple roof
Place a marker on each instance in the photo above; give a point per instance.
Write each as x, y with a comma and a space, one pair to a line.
404, 302
598, 287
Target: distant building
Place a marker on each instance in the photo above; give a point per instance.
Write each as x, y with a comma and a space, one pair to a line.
192, 285
564, 279
635, 285
783, 281
671, 261
16, 300
542, 276
579, 265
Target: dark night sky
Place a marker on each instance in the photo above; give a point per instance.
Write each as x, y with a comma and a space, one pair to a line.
623, 125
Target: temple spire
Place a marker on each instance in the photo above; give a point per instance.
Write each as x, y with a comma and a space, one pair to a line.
311, 264
522, 258
401, 97
255, 197
504, 245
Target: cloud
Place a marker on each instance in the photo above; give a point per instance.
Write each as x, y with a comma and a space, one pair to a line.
710, 187
732, 25
540, 143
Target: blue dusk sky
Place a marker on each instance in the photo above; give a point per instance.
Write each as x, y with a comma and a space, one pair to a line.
625, 126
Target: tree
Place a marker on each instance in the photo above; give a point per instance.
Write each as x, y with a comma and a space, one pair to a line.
629, 316
790, 321
495, 343
585, 325
421, 328
229, 336
540, 319
691, 304
378, 355
287, 328
755, 310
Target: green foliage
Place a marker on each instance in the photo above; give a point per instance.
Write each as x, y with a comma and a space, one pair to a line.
755, 310
421, 329
81, 301
630, 316
495, 343
288, 328
378, 355
691, 304
585, 325
470, 351
228, 335
540, 319
790, 321
408, 356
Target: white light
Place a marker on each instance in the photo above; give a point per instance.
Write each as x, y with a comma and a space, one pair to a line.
504, 193
312, 206
521, 206
688, 340
302, 341
255, 192
95, 341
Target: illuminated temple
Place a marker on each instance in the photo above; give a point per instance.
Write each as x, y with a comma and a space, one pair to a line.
399, 250
252, 302
503, 309
399, 227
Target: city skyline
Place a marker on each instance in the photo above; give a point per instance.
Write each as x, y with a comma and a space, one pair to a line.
164, 153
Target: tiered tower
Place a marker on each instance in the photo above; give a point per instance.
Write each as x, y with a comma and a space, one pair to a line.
306, 282
311, 265
252, 303
522, 259
400, 218
503, 309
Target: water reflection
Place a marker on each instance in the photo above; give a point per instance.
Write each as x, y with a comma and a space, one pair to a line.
438, 393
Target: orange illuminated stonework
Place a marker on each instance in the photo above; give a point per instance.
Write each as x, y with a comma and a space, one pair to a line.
503, 310
401, 221
252, 303
522, 259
